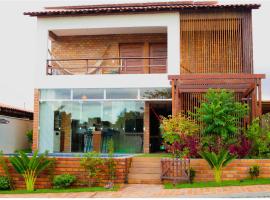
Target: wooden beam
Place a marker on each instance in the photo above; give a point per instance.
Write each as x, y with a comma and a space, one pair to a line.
53, 36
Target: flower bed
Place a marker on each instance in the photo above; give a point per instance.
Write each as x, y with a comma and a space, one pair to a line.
71, 166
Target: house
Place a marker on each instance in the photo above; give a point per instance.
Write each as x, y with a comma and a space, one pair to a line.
109, 71
14, 122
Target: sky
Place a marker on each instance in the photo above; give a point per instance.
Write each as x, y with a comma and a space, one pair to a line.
18, 46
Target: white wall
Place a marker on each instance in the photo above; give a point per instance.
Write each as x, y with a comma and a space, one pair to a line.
12, 135
169, 20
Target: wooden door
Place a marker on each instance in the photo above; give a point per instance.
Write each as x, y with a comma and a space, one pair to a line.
131, 66
158, 50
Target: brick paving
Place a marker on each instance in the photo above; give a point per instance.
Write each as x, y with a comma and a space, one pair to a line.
142, 190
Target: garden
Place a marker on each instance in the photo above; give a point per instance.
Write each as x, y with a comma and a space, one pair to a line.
216, 143
39, 173
217, 132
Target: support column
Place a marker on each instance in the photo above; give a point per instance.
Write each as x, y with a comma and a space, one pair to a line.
146, 135
36, 120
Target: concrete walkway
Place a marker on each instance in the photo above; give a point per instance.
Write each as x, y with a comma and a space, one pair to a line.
141, 190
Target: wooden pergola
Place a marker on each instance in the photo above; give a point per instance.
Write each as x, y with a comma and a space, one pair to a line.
188, 90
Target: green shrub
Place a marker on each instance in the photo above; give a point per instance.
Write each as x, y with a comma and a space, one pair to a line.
92, 163
4, 183
29, 135
259, 133
63, 181
254, 171
220, 115
192, 174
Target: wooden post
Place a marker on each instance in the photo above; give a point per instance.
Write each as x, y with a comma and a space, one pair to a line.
146, 62
97, 141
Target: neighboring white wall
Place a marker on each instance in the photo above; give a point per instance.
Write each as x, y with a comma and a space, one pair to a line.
169, 20
12, 135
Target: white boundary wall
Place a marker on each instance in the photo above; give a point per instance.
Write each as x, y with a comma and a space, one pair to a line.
12, 135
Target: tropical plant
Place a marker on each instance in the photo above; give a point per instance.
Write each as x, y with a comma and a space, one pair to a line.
30, 167
4, 183
217, 162
220, 115
259, 133
92, 163
254, 171
4, 166
63, 181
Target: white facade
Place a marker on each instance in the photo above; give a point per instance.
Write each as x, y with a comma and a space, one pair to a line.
13, 135
169, 20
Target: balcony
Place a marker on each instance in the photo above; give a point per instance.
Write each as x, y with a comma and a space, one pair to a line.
119, 65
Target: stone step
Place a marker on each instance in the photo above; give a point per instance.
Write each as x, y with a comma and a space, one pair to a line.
148, 170
145, 181
145, 164
145, 159
144, 176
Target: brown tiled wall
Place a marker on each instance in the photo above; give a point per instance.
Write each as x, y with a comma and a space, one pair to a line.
95, 47
36, 120
236, 170
72, 166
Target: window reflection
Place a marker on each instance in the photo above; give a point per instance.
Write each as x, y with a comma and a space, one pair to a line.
87, 126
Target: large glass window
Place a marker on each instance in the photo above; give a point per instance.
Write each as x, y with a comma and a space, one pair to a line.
82, 126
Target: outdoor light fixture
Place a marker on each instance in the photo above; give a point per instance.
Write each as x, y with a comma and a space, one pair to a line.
4, 121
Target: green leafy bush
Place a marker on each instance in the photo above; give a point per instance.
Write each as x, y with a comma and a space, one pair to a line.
177, 132
29, 135
4, 183
63, 181
259, 133
4, 166
254, 171
92, 163
220, 115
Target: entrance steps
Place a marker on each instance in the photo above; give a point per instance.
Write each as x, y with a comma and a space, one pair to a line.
145, 170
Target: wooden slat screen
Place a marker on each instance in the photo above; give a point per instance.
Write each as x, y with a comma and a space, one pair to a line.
216, 42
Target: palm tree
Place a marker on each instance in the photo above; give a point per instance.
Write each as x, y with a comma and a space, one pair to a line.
30, 167
217, 162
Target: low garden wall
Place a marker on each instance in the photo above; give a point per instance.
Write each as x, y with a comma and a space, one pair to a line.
236, 170
71, 166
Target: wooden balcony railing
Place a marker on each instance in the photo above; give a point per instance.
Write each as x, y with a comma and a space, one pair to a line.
120, 65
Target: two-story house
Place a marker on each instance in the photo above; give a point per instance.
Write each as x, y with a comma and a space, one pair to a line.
109, 71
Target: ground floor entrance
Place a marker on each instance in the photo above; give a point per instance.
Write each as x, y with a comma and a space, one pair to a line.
157, 110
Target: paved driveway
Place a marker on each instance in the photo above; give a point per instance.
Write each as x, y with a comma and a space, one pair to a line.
141, 190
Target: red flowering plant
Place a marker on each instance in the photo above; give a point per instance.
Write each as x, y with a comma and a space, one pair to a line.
180, 136
242, 148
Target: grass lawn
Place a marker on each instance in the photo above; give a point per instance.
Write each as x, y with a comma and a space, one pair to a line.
259, 181
155, 155
90, 189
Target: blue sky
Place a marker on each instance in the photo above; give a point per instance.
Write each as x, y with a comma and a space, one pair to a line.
17, 46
